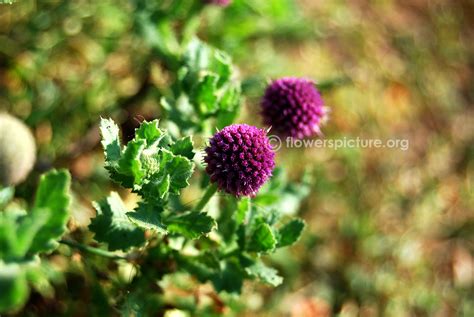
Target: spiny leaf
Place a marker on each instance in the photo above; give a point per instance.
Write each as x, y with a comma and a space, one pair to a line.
153, 135
147, 216
151, 164
178, 168
183, 147
112, 226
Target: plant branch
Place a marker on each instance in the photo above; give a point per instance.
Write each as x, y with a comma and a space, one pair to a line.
93, 250
211, 190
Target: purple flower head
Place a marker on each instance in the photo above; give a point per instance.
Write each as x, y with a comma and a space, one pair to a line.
293, 107
240, 159
221, 3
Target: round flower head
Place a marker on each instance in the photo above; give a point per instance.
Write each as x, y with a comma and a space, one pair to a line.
17, 150
221, 3
293, 107
240, 159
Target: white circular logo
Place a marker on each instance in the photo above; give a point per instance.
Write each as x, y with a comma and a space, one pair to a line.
275, 142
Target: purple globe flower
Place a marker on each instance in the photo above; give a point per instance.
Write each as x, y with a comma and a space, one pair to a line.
240, 159
221, 3
293, 107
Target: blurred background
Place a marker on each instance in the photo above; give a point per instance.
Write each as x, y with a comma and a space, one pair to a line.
390, 232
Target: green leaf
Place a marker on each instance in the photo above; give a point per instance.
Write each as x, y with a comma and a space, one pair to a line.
13, 286
112, 226
152, 134
110, 140
264, 273
147, 216
26, 231
8, 236
230, 278
205, 94
183, 147
130, 165
262, 239
290, 233
230, 99
180, 170
283, 195
191, 224
52, 202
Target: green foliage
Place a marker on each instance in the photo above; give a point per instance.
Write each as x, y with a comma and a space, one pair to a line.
13, 285
290, 232
264, 273
191, 225
194, 88
112, 226
207, 88
152, 165
156, 167
262, 239
25, 235
387, 233
52, 203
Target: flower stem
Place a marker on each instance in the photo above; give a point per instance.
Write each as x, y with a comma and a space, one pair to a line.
211, 190
93, 250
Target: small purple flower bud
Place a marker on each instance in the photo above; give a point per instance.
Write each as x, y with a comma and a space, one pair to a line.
240, 159
293, 107
220, 3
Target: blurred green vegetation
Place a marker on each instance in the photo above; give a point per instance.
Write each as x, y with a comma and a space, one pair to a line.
390, 232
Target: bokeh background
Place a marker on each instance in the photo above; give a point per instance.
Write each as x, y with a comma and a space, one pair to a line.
390, 232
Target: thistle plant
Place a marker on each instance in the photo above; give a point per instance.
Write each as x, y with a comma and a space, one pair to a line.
222, 238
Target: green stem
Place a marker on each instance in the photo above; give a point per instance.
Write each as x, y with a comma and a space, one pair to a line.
211, 190
93, 250
231, 253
